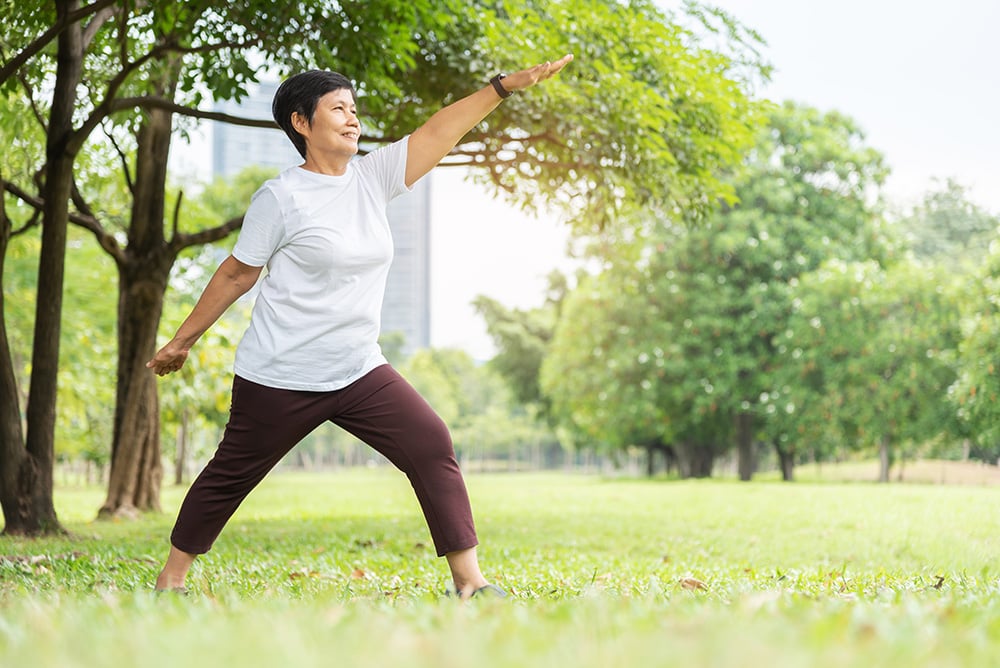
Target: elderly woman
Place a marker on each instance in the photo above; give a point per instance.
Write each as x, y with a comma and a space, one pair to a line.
311, 351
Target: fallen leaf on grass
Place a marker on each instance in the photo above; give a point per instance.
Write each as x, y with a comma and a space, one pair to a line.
358, 574
693, 584
299, 574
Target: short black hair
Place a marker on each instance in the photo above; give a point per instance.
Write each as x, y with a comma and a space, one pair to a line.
300, 93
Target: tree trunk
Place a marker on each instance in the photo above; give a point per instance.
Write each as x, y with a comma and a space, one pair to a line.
23, 499
744, 446
695, 460
652, 448
136, 469
883, 459
786, 459
27, 471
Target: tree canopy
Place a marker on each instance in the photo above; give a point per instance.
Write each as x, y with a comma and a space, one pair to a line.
676, 337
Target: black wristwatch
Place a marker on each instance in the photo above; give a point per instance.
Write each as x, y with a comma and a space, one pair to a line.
498, 87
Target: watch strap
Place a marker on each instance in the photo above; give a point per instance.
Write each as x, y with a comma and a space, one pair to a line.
498, 87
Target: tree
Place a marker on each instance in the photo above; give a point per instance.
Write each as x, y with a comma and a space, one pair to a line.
605, 369
156, 60
871, 350
690, 313
946, 226
976, 392
27, 464
651, 114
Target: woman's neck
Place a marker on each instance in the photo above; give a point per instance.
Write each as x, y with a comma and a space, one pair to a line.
328, 165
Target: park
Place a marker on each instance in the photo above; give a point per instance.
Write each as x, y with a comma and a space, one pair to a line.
758, 425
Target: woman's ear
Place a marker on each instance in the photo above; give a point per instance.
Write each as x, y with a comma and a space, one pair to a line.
299, 122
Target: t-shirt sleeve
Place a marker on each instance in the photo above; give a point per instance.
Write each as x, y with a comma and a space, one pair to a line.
385, 168
262, 230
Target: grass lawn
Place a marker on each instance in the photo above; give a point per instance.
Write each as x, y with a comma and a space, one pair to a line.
337, 570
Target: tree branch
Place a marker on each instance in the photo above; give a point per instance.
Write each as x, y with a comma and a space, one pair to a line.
46, 38
15, 190
177, 213
88, 222
110, 105
36, 219
105, 108
95, 24
169, 105
182, 241
36, 112
104, 239
81, 204
123, 158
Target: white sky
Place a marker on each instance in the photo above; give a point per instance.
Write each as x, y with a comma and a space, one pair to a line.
922, 77
482, 246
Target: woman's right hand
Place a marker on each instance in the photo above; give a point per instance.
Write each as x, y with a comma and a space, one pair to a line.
168, 359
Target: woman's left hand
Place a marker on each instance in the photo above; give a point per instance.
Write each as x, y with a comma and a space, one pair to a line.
529, 77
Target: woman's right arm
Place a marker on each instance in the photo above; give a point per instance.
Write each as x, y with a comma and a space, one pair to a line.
231, 281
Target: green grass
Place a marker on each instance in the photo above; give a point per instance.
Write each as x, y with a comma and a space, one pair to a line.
337, 569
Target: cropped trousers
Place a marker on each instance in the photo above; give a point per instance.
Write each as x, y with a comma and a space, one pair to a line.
381, 409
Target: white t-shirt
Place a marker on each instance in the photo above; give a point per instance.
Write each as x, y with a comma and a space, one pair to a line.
326, 243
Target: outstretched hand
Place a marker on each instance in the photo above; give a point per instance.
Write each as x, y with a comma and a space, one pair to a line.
529, 77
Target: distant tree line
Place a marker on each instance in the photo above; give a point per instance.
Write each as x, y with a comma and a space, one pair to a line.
805, 318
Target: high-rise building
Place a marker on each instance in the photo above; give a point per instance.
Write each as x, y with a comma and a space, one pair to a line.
406, 308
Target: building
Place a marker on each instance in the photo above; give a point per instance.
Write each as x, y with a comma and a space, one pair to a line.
406, 308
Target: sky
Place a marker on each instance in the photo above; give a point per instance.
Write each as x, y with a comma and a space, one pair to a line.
921, 77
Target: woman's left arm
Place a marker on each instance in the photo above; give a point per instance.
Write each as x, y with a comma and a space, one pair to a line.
434, 139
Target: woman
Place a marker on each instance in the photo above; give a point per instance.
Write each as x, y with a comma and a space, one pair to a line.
311, 352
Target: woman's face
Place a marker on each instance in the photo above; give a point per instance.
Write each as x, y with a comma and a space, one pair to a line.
335, 128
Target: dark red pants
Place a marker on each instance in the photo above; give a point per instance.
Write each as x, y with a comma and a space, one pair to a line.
381, 409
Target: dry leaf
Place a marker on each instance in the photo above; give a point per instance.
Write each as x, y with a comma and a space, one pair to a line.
358, 574
299, 574
693, 583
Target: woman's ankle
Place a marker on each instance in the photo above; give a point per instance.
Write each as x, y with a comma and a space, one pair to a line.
175, 570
